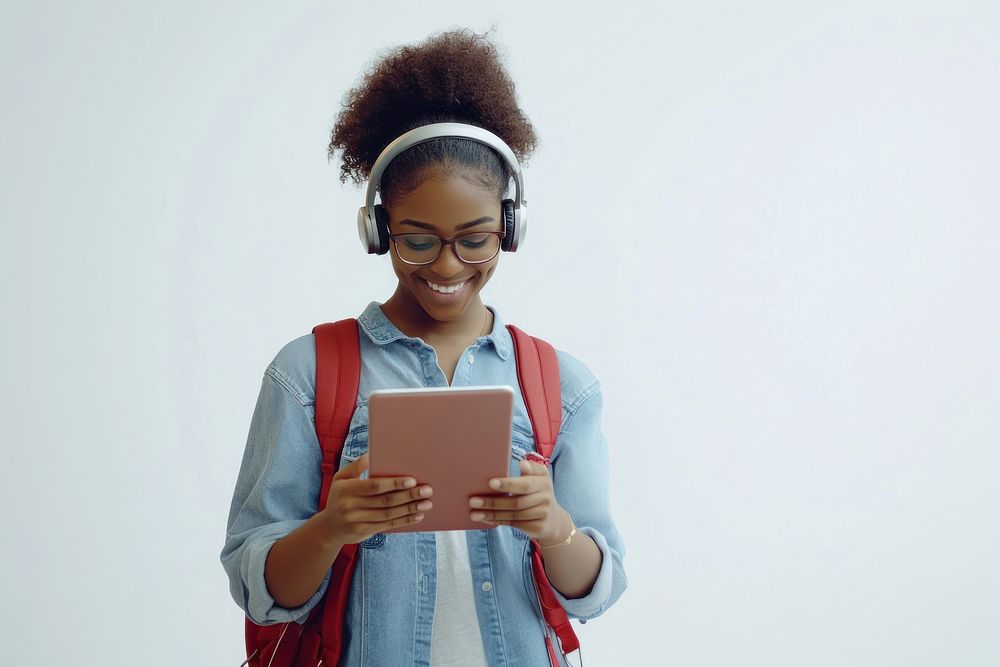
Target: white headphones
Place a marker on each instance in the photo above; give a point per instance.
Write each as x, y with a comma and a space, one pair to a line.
373, 220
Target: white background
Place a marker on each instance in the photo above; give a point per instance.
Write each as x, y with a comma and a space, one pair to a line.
770, 229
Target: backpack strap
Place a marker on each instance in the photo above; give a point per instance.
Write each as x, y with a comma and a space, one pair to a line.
338, 371
538, 375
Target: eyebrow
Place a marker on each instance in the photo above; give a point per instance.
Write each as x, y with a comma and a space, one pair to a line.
464, 225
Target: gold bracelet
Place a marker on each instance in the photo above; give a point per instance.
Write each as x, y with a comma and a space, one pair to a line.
567, 540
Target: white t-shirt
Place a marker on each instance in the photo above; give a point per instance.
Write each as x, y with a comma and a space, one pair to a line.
455, 637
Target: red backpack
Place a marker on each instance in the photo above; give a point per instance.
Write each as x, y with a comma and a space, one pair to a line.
319, 641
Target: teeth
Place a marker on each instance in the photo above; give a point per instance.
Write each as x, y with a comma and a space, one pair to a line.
445, 290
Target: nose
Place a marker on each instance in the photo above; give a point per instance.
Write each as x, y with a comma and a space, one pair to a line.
447, 263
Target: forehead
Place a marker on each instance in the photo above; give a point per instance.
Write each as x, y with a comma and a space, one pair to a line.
445, 199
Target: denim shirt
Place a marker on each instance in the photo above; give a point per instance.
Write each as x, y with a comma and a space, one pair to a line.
390, 608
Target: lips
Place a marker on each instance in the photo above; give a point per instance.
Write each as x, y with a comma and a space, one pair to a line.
445, 291
445, 287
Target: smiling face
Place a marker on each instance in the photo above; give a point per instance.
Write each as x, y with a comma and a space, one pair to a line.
445, 204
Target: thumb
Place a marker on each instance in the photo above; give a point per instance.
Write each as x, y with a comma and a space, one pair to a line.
531, 467
354, 469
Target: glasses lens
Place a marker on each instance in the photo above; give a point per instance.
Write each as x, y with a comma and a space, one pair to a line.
418, 248
478, 247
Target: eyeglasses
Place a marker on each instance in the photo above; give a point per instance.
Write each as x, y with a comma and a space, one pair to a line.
471, 248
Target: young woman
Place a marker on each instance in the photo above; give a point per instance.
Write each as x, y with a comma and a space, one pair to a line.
439, 598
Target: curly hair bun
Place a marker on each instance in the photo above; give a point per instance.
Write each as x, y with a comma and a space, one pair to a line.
455, 76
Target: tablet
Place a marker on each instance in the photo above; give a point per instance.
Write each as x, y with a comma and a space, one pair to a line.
454, 439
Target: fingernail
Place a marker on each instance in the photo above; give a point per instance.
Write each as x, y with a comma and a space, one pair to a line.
424, 506
494, 483
477, 516
475, 502
425, 491
410, 483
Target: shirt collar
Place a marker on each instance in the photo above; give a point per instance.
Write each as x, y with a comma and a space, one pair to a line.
382, 331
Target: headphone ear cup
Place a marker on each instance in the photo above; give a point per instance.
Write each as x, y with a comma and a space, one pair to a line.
382, 229
510, 233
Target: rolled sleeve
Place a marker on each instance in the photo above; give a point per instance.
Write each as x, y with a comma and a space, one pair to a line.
277, 490
597, 600
259, 605
580, 474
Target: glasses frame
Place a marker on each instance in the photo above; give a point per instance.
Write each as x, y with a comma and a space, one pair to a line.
447, 242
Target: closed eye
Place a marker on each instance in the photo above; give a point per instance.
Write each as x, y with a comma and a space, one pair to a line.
475, 240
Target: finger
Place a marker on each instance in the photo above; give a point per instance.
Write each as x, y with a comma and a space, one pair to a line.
353, 469
393, 498
385, 526
387, 514
508, 502
520, 485
374, 486
359, 492
503, 516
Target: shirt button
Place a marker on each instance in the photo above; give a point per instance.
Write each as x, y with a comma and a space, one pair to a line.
487, 586
472, 359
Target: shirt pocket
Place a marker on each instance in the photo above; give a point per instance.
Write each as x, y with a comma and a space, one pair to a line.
356, 442
355, 446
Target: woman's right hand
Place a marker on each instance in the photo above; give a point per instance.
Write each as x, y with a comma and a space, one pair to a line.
358, 508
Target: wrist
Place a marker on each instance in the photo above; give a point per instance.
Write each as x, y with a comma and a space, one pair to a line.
563, 528
330, 539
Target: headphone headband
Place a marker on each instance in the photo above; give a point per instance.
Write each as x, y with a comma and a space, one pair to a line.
434, 131
367, 227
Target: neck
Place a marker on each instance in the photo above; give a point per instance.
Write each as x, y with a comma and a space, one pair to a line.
409, 317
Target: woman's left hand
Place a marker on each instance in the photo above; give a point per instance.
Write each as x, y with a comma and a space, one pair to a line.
531, 507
